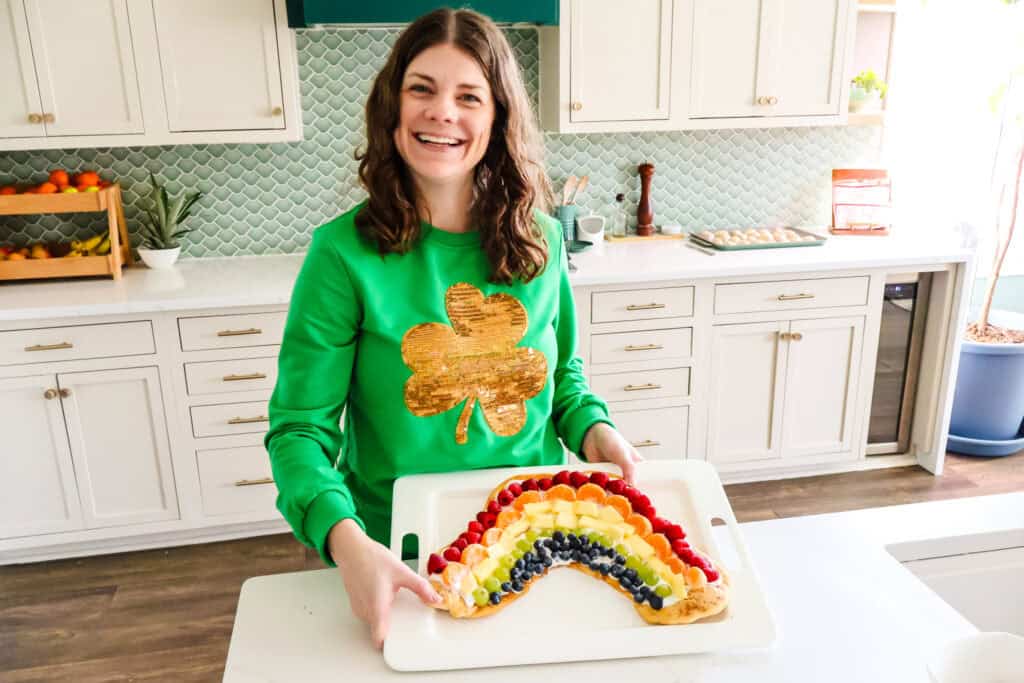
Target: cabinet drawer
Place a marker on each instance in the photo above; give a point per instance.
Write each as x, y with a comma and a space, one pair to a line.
236, 481
76, 342
657, 433
640, 384
648, 345
231, 331
641, 304
230, 418
246, 374
791, 295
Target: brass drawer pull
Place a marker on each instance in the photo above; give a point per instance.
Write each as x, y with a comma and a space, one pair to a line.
236, 378
795, 297
645, 443
785, 336
49, 347
254, 482
643, 307
248, 420
236, 333
796, 336
641, 387
644, 347
50, 394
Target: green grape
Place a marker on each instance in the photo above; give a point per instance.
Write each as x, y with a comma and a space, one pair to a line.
663, 590
601, 539
507, 561
480, 596
622, 550
649, 576
503, 575
532, 535
547, 532
492, 585
517, 554
633, 562
524, 545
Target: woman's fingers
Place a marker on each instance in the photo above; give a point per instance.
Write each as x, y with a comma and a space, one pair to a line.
381, 619
418, 585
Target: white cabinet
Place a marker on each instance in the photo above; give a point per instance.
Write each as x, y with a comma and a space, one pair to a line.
783, 389
620, 65
768, 57
220, 64
21, 111
37, 480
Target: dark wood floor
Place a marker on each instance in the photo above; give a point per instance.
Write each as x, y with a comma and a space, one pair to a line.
166, 615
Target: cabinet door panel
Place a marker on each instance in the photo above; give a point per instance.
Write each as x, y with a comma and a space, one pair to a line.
748, 367
727, 50
20, 91
220, 64
37, 481
86, 67
118, 437
821, 382
620, 60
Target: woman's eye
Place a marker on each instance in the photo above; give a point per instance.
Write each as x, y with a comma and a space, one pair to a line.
419, 87
471, 98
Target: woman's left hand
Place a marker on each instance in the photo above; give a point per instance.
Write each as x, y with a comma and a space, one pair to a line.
603, 443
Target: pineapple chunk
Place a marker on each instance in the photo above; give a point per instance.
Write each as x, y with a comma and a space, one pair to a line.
592, 523
659, 567
532, 509
496, 550
517, 527
627, 530
543, 522
640, 546
678, 584
586, 507
614, 533
566, 519
560, 507
485, 568
610, 514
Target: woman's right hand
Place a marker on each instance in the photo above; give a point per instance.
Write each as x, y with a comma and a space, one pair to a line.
372, 576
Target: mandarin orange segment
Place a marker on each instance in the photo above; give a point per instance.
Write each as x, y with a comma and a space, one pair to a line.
491, 536
526, 497
640, 524
661, 545
591, 492
621, 505
506, 517
453, 574
676, 565
473, 554
561, 492
695, 577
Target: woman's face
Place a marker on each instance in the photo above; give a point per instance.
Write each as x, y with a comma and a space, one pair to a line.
446, 112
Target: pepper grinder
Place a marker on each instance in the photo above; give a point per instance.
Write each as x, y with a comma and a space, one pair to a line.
644, 213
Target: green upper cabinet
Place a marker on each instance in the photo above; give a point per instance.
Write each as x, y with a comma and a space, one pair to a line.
306, 13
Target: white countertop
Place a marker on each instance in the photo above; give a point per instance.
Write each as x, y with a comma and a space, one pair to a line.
846, 609
267, 280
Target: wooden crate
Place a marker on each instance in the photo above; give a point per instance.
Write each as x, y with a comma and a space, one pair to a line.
106, 200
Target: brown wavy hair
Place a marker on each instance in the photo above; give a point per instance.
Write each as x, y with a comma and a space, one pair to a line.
509, 181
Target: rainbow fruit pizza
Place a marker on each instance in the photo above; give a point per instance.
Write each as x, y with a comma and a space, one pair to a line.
589, 521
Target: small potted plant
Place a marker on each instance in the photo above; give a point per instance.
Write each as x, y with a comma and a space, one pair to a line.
160, 226
866, 92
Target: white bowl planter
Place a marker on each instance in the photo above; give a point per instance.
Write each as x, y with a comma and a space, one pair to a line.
159, 259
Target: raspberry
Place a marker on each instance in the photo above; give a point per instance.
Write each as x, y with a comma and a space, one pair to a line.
452, 554
504, 498
641, 501
472, 537
530, 485
659, 525
701, 562
476, 527
515, 489
599, 478
436, 563
645, 510
494, 507
675, 532
688, 556
617, 486
545, 483
461, 542
631, 494
487, 519
578, 479
679, 545
562, 477
711, 574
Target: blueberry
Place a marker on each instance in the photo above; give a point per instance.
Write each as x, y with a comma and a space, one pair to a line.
615, 570
495, 598
604, 569
558, 537
608, 552
506, 587
631, 573
574, 542
656, 601
539, 544
583, 539
594, 552
618, 559
564, 555
547, 561
520, 565
517, 586
528, 558
638, 597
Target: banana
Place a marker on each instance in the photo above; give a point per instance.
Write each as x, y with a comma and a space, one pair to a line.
90, 244
102, 248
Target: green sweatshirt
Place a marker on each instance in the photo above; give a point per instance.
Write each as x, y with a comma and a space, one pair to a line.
437, 369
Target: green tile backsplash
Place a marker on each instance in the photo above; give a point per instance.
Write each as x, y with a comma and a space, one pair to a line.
264, 199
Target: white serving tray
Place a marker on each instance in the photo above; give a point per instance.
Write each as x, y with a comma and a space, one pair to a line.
567, 615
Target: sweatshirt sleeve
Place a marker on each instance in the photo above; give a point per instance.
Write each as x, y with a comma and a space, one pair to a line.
575, 409
304, 440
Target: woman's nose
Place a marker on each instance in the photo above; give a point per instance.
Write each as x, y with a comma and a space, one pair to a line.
442, 109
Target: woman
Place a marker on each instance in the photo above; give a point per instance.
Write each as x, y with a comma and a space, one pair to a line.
438, 311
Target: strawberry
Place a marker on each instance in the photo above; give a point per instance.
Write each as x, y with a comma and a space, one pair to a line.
545, 483
493, 507
504, 498
472, 537
711, 574
675, 532
436, 563
617, 486
599, 478
476, 527
487, 519
659, 524
461, 542
452, 553
562, 478
531, 485
679, 545
515, 489
578, 479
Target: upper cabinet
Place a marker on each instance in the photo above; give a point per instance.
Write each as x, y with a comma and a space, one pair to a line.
146, 72
685, 64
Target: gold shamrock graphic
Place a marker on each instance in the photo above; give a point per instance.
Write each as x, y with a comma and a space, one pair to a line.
475, 359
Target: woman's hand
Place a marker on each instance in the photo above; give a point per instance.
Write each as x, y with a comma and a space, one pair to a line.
372, 576
603, 443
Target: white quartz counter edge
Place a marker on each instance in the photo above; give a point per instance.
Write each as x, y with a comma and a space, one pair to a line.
846, 609
227, 282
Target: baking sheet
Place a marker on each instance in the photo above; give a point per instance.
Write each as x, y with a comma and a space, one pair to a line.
764, 245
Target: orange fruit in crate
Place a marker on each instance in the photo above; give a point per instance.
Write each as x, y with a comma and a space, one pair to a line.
8, 189
46, 188
59, 177
15, 256
87, 178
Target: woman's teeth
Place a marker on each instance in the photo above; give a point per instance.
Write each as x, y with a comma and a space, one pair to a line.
437, 140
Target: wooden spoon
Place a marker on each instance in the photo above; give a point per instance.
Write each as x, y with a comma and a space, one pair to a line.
569, 189
579, 188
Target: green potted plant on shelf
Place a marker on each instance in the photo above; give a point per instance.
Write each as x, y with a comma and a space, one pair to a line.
160, 225
866, 92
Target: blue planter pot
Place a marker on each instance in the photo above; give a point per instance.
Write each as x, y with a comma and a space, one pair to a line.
989, 401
